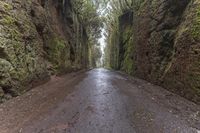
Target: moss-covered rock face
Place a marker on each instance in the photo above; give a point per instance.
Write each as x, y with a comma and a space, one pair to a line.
164, 46
34, 44
58, 53
65, 38
126, 43
21, 58
196, 23
167, 40
187, 54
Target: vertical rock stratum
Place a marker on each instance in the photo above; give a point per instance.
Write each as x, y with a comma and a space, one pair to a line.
161, 45
38, 38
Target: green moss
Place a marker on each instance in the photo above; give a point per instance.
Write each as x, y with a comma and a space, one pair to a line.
6, 6
15, 34
20, 74
8, 20
56, 51
128, 63
9, 23
196, 25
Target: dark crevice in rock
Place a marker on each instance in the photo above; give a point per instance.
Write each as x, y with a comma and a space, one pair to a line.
3, 54
32, 13
9, 90
42, 3
72, 54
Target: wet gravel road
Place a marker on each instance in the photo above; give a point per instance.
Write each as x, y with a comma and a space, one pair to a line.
99, 101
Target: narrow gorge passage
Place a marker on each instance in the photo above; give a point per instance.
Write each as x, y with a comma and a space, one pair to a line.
99, 101
99, 66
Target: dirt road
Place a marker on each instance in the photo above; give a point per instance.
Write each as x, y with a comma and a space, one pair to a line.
99, 101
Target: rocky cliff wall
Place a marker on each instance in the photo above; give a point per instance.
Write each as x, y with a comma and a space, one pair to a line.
126, 39
168, 44
38, 38
165, 45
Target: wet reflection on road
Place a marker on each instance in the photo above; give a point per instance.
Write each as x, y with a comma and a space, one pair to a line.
108, 102
105, 110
